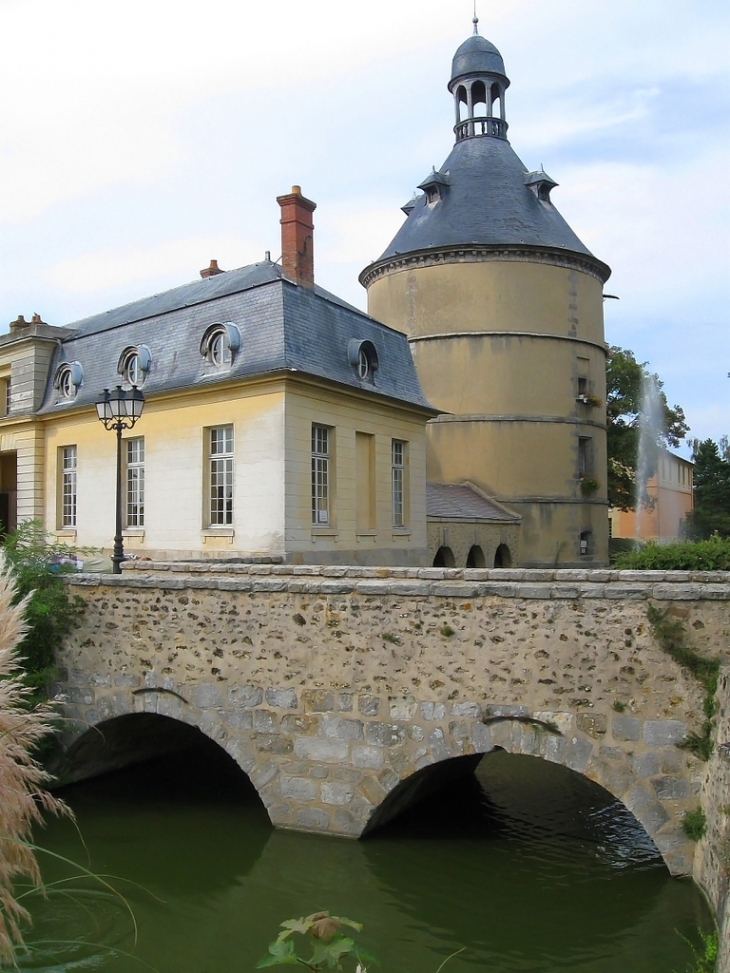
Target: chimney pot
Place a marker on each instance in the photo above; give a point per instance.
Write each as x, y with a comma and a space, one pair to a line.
19, 324
297, 237
212, 270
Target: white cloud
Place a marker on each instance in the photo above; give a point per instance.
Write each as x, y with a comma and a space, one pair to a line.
112, 267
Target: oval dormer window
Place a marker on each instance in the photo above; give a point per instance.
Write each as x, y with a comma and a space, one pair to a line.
363, 356
67, 379
134, 364
220, 343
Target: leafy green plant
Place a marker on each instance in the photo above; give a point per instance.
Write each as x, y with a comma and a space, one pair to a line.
709, 555
589, 485
392, 638
705, 960
447, 631
323, 935
694, 824
51, 611
618, 706
671, 636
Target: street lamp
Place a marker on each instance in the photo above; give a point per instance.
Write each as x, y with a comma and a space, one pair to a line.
119, 410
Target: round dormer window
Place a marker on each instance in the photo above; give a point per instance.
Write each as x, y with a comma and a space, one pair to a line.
363, 356
134, 364
67, 379
220, 343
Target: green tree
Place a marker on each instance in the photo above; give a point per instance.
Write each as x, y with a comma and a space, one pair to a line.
51, 610
624, 383
711, 514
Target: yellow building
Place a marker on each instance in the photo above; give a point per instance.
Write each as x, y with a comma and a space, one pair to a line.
503, 307
279, 421
670, 493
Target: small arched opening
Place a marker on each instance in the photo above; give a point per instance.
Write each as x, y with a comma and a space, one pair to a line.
503, 557
444, 558
462, 103
479, 99
497, 102
475, 558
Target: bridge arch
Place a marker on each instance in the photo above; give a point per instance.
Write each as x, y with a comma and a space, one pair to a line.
115, 742
614, 773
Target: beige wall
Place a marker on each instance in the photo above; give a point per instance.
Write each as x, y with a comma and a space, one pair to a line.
501, 345
272, 425
461, 536
344, 540
671, 489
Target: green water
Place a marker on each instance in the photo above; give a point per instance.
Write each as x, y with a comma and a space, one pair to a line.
532, 869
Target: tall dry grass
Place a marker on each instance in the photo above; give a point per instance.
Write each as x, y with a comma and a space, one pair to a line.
22, 798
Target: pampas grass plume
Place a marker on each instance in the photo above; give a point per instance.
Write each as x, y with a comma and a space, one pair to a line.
23, 800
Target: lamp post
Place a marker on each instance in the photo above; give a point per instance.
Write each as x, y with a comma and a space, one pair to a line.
119, 410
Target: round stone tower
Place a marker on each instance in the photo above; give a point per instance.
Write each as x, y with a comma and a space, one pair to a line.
503, 306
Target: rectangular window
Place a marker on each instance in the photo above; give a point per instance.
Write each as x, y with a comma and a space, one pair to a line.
68, 486
135, 482
398, 480
321, 475
221, 476
585, 457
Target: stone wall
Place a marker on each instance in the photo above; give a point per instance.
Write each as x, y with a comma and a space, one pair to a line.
335, 687
712, 860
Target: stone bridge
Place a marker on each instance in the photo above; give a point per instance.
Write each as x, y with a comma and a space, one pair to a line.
346, 693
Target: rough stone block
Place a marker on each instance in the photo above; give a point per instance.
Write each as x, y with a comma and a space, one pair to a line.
594, 725
82, 697
300, 723
556, 749
318, 700
402, 707
336, 728
438, 745
283, 698
388, 779
334, 792
312, 819
272, 743
370, 758
664, 733
368, 705
240, 719
481, 738
465, 709
578, 754
646, 764
245, 695
626, 728
372, 790
127, 679
385, 734
298, 788
265, 721
432, 712
344, 702
671, 788
327, 751
565, 722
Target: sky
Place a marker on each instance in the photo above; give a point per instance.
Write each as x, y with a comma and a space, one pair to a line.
140, 139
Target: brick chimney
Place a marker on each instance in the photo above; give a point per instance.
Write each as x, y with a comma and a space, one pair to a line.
297, 237
212, 270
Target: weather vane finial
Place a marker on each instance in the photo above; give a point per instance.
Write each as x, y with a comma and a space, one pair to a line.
475, 19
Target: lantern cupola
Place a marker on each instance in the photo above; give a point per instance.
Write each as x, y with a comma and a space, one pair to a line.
478, 83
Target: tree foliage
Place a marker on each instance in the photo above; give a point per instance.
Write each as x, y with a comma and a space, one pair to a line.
625, 378
51, 611
711, 514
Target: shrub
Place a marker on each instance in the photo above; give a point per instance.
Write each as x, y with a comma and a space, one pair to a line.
694, 824
710, 555
51, 612
22, 800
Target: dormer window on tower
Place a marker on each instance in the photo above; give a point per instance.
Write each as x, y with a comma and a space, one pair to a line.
435, 186
541, 184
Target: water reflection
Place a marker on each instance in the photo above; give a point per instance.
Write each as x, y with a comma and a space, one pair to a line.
532, 871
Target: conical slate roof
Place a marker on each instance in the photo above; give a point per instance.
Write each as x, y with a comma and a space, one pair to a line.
486, 202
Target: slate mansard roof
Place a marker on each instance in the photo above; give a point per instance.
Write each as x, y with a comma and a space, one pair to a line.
284, 327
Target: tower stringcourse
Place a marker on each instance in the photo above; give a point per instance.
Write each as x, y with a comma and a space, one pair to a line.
503, 306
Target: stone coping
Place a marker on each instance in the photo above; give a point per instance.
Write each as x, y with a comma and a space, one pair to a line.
420, 582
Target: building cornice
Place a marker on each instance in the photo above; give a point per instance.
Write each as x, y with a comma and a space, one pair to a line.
446, 335
520, 253
569, 420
